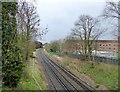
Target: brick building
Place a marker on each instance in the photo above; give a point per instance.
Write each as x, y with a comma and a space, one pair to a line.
101, 45
107, 45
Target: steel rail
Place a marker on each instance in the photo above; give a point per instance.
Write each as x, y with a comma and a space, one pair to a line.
68, 81
48, 75
56, 76
83, 84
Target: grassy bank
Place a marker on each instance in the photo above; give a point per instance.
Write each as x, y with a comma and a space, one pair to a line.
102, 74
32, 79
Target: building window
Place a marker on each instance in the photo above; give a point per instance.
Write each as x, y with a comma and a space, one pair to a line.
100, 44
109, 44
109, 48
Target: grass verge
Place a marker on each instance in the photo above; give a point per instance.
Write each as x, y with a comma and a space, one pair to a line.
101, 73
33, 78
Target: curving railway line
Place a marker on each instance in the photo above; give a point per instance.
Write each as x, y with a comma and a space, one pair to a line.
59, 78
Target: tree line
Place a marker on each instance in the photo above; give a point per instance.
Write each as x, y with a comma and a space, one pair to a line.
87, 30
20, 27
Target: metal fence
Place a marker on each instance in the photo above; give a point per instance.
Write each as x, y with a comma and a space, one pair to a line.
107, 60
96, 58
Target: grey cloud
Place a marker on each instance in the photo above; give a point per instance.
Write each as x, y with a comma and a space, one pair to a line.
60, 17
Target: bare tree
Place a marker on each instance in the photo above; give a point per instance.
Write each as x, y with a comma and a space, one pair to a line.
87, 31
70, 44
112, 10
28, 23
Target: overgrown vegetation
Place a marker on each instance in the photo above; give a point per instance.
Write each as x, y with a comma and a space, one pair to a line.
101, 73
27, 81
36, 82
20, 25
28, 24
12, 62
54, 46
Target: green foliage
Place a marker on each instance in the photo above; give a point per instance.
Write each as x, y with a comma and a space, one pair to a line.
29, 83
12, 67
11, 54
54, 46
38, 44
33, 56
104, 74
29, 26
101, 73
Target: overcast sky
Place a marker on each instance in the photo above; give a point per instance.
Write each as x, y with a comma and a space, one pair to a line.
60, 15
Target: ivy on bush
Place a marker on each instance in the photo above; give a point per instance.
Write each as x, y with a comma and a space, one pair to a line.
11, 55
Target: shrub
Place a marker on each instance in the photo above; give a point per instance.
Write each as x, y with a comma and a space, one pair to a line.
11, 55
12, 66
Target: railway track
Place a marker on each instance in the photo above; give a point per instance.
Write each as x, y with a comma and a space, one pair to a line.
64, 78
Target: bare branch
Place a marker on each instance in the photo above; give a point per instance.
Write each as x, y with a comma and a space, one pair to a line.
111, 10
88, 30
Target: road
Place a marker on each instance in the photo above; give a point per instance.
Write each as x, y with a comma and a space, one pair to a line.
58, 77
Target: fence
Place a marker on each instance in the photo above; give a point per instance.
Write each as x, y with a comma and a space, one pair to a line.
97, 58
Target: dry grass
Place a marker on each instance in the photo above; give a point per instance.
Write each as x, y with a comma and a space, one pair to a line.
100, 75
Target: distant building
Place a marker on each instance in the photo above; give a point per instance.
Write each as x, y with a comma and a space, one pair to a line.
107, 45
103, 47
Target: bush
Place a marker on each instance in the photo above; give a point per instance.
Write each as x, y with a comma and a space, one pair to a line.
12, 66
11, 55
